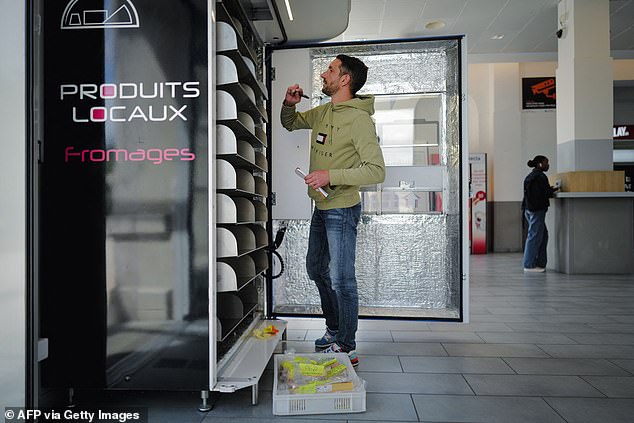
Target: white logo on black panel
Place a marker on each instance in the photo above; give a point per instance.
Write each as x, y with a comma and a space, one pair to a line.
321, 138
89, 14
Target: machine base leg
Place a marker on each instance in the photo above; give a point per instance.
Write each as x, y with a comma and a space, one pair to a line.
71, 398
204, 406
254, 394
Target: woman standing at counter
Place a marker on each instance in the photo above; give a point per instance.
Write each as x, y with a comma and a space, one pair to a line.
535, 203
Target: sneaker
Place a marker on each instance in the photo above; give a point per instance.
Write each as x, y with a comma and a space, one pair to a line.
352, 355
327, 340
534, 269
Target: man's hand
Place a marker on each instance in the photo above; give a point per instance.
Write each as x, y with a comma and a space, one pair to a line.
293, 95
317, 179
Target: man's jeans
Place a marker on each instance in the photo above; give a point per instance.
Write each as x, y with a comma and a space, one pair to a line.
330, 263
535, 248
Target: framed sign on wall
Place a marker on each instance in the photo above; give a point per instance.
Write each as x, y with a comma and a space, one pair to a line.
539, 93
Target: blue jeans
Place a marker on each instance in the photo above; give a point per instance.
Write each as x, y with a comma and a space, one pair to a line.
330, 263
537, 239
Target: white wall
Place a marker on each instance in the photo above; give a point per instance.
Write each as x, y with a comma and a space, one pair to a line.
511, 136
499, 127
507, 131
12, 193
539, 127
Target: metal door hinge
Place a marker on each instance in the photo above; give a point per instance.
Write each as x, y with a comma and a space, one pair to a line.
272, 74
273, 199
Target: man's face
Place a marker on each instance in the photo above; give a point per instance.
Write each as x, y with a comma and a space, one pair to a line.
332, 78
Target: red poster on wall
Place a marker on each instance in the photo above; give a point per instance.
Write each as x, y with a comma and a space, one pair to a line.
478, 202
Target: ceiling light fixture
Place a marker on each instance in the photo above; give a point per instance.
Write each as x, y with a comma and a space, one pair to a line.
497, 37
288, 9
435, 25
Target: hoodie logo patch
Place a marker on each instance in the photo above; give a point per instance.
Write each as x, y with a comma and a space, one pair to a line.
321, 138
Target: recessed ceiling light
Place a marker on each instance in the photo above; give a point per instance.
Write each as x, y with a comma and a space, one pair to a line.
497, 37
288, 9
435, 25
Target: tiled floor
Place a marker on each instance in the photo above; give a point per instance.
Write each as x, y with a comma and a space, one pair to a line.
540, 348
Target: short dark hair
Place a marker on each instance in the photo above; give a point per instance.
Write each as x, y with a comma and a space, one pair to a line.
536, 161
357, 70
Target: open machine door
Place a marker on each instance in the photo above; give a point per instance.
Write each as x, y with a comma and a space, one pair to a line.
411, 259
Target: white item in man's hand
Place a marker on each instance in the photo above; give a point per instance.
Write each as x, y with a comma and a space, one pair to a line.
302, 175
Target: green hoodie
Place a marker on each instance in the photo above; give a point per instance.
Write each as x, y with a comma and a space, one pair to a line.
344, 142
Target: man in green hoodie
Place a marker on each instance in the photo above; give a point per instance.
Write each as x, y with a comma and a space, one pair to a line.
344, 154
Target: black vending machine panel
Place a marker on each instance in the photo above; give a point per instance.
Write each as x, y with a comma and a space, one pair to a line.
123, 217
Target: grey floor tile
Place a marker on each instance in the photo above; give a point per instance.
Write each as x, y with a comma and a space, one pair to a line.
238, 404
628, 365
572, 318
362, 335
507, 318
379, 363
415, 383
613, 386
400, 348
593, 410
531, 311
602, 338
564, 366
476, 308
612, 327
170, 414
595, 309
530, 385
379, 407
436, 336
280, 419
266, 381
494, 350
484, 299
559, 317
392, 325
589, 351
470, 327
387, 408
134, 398
485, 365
524, 338
374, 335
622, 318
374, 421
525, 323
441, 408
553, 327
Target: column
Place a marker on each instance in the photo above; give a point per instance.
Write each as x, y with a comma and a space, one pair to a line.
584, 86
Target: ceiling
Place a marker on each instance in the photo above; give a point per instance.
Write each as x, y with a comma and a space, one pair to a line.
526, 26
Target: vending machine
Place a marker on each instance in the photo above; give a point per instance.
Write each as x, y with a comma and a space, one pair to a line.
161, 176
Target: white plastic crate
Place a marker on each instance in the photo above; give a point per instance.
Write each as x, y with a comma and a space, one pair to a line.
285, 404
